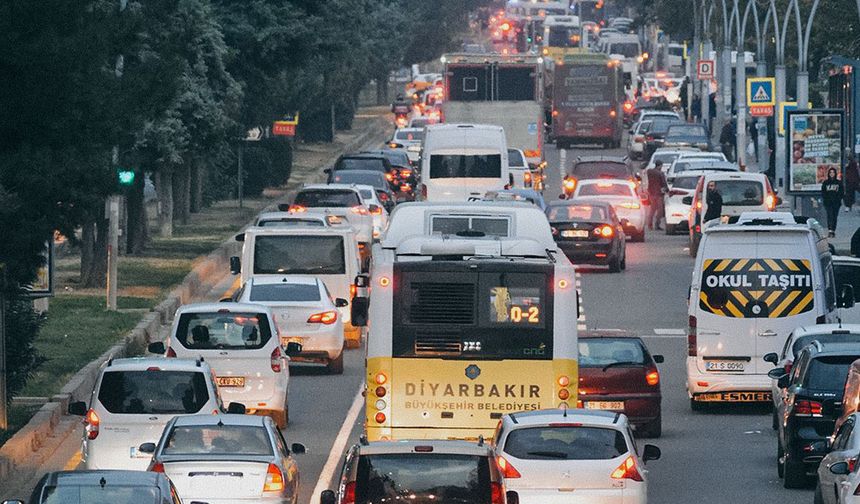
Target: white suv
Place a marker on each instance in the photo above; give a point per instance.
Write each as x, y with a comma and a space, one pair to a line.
338, 202
542, 453
242, 344
132, 401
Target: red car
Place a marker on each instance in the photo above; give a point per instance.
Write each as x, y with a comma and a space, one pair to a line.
618, 373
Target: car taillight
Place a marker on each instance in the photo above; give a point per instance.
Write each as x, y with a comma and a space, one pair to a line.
807, 408
569, 184
604, 231
349, 493
360, 210
376, 211
352, 290
405, 173
633, 206
326, 317
692, 349
92, 424
852, 464
389, 176
277, 359
297, 209
170, 352
627, 470
383, 196
613, 113
770, 201
274, 479
508, 471
652, 378
497, 496
157, 467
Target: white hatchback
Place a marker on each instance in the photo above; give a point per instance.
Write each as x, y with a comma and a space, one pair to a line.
621, 194
304, 312
560, 456
241, 343
132, 401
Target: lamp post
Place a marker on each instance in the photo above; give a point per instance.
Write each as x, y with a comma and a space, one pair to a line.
803, 56
740, 77
707, 11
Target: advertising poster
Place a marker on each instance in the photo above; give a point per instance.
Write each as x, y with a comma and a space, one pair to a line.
814, 146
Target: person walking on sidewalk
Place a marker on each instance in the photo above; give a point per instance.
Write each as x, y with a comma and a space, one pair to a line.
832, 192
851, 177
656, 187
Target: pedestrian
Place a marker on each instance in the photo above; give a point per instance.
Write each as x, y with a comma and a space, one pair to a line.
714, 200
832, 192
656, 188
697, 108
728, 140
851, 177
754, 139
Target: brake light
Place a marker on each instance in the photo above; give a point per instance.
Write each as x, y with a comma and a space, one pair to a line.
852, 464
569, 184
698, 204
613, 113
630, 205
389, 177
158, 467
381, 378
92, 424
770, 201
404, 173
277, 359
652, 378
692, 349
383, 197
349, 493
564, 394
384, 281
376, 211
508, 471
807, 408
274, 479
627, 470
353, 289
297, 209
360, 210
628, 106
170, 352
326, 317
497, 496
604, 231
527, 177
380, 417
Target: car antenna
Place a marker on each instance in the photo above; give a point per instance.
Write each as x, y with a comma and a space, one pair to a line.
564, 409
102, 482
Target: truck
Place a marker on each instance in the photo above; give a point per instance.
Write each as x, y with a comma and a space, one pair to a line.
585, 95
498, 89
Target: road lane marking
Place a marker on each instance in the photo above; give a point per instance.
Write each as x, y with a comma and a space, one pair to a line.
324, 481
73, 463
235, 285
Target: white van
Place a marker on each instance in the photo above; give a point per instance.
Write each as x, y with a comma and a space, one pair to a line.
462, 161
330, 254
754, 282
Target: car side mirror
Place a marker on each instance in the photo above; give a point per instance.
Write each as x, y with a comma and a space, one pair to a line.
146, 448
78, 408
687, 200
293, 348
283, 207
240, 237
235, 265
650, 452
846, 296
328, 497
771, 357
776, 373
157, 348
341, 302
512, 497
783, 382
298, 448
236, 408
840, 469
658, 359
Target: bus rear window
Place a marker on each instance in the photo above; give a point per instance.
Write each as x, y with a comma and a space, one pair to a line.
741, 192
299, 255
465, 166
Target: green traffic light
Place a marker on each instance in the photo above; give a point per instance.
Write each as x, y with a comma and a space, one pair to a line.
125, 177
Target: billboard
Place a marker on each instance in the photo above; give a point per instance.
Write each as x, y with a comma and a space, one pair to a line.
814, 146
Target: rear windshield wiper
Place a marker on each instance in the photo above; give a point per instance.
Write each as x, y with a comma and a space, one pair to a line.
621, 363
550, 454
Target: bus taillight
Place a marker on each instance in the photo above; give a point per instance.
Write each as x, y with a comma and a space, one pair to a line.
380, 417
564, 394
563, 381
381, 378
381, 391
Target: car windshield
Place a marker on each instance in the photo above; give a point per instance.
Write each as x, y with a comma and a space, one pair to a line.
375, 179
410, 135
828, 372
660, 125
515, 158
686, 130
598, 352
327, 198
605, 189
423, 478
223, 331
685, 182
360, 164
465, 166
284, 292
598, 169
287, 222
218, 440
95, 494
153, 391
741, 192
299, 255
561, 213
396, 157
569, 442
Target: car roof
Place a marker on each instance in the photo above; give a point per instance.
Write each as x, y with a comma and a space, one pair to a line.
439, 446
538, 417
609, 333
291, 216
226, 307
836, 348
692, 173
144, 363
222, 418
374, 173
825, 329
710, 164
94, 478
331, 187
577, 201
738, 175
286, 279
603, 159
408, 130
367, 155
846, 259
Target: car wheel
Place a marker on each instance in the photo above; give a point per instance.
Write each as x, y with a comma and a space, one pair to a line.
817, 498
335, 366
624, 260
794, 474
780, 464
615, 264
652, 429
696, 405
670, 229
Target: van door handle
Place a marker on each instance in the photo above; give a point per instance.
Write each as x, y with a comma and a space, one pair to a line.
767, 333
710, 333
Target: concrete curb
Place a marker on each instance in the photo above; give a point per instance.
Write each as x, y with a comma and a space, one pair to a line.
24, 451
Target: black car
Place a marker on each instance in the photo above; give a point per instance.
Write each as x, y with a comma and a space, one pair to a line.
812, 402
594, 167
656, 136
103, 487
403, 174
687, 135
588, 232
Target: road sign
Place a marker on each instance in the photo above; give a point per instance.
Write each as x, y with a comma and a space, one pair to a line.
760, 91
761, 111
283, 128
705, 69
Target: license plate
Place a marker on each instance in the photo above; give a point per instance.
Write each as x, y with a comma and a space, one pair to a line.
729, 366
574, 233
604, 405
735, 397
230, 381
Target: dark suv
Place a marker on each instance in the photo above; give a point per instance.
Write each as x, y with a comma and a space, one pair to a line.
362, 161
594, 167
812, 394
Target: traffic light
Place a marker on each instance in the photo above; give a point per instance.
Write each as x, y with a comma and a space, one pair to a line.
125, 177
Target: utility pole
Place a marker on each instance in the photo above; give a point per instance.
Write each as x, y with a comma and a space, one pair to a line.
112, 213
240, 188
4, 418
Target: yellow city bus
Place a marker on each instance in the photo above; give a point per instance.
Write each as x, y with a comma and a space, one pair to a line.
463, 331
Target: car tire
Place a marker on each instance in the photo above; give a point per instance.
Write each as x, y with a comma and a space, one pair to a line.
624, 261
696, 405
670, 229
652, 429
335, 366
615, 264
780, 465
794, 475
817, 498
